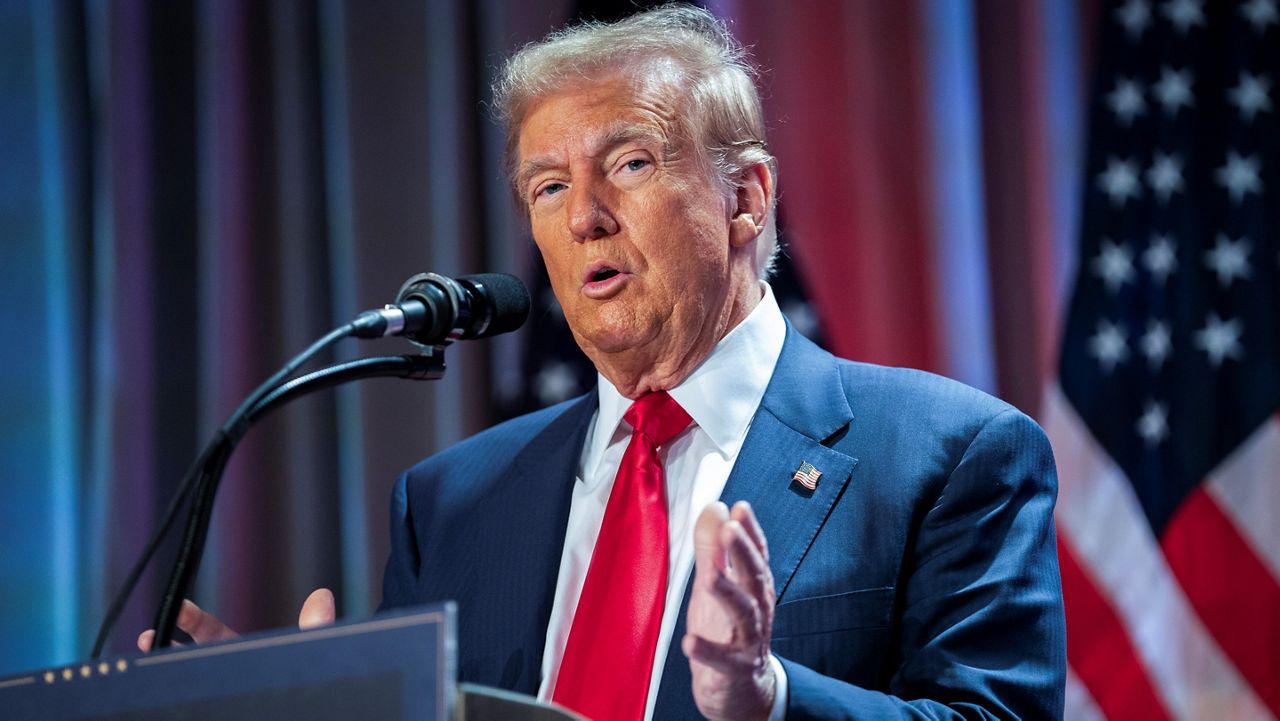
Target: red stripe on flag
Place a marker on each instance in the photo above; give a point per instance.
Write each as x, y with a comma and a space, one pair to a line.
1100, 650
1232, 591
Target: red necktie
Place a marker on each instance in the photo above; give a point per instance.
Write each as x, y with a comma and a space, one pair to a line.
608, 659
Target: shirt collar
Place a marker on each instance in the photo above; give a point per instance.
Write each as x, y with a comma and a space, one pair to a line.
721, 395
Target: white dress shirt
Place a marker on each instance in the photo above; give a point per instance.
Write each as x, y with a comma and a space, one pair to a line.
721, 396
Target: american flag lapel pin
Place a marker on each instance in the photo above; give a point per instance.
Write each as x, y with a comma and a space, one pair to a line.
807, 476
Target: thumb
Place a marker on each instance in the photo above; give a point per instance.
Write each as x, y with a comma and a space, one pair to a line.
318, 610
708, 552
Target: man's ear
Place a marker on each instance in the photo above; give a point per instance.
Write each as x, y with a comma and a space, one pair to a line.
753, 199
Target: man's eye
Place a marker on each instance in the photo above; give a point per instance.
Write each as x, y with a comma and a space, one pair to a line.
636, 164
550, 189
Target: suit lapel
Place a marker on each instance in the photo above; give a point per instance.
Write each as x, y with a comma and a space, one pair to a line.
804, 405
506, 600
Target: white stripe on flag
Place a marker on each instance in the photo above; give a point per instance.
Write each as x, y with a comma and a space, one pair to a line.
1247, 488
1100, 514
1080, 705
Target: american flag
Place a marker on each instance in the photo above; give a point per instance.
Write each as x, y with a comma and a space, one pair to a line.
1165, 420
807, 476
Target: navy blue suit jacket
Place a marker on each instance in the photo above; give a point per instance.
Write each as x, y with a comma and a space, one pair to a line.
919, 580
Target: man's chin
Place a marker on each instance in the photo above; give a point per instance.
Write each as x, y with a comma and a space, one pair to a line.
611, 341
607, 344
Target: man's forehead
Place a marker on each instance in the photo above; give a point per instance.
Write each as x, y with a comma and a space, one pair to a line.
591, 122
596, 139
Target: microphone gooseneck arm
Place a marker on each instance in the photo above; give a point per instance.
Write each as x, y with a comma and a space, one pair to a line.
195, 476
204, 484
431, 311
186, 565
414, 367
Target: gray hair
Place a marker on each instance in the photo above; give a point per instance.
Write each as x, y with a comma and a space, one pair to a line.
724, 115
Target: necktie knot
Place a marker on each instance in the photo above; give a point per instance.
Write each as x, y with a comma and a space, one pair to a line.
658, 417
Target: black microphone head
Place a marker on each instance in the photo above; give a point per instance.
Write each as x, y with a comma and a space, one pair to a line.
506, 298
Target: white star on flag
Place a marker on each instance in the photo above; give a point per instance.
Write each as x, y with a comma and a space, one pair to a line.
1134, 16
1165, 175
1155, 343
1260, 14
1126, 100
1220, 339
1173, 90
1183, 14
1239, 176
1153, 425
1229, 259
1160, 258
1120, 180
1108, 345
1250, 95
1114, 264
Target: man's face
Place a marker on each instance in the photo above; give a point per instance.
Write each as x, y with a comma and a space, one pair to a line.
633, 225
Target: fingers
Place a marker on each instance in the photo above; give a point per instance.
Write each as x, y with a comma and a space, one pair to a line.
730, 618
708, 553
743, 612
747, 596
733, 570
743, 514
147, 639
747, 565
318, 610
732, 543
201, 626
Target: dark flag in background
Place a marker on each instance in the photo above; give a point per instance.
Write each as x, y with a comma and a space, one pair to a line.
1166, 425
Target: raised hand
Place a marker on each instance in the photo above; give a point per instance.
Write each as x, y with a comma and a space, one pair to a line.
731, 616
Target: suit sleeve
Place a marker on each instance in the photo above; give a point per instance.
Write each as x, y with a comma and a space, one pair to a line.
401, 577
981, 631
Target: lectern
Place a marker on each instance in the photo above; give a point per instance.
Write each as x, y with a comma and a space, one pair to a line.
395, 667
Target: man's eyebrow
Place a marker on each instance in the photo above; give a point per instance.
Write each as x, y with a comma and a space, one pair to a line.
622, 134
606, 140
530, 168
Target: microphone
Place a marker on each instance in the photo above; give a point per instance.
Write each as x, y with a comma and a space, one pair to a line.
432, 310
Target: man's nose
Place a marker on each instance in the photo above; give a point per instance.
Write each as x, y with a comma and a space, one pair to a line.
589, 215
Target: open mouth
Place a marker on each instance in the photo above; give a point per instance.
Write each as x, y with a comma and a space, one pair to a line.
601, 281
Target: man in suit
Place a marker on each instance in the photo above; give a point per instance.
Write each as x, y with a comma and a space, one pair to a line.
735, 523
918, 575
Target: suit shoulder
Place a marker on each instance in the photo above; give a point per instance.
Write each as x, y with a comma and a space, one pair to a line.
913, 430
921, 405
870, 385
